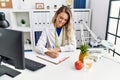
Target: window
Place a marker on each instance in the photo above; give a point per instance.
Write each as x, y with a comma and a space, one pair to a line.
113, 24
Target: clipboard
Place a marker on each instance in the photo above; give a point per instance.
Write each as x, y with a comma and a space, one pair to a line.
62, 57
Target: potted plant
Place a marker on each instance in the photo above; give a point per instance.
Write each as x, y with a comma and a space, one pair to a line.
23, 22
83, 51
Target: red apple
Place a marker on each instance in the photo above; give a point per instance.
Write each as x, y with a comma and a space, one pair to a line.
78, 65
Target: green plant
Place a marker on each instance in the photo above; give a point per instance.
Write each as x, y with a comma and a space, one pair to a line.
23, 21
84, 48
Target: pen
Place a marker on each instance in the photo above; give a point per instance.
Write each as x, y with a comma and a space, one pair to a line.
53, 46
64, 59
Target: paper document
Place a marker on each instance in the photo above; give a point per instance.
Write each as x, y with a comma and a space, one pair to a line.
62, 57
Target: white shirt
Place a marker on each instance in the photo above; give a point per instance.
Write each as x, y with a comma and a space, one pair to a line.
47, 40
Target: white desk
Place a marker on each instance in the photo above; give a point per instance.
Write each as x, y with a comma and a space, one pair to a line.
104, 69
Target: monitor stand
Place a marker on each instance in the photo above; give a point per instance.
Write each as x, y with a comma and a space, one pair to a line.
9, 71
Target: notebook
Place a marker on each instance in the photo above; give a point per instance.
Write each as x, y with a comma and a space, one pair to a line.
62, 57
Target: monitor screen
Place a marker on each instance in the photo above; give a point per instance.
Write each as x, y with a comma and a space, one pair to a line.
12, 48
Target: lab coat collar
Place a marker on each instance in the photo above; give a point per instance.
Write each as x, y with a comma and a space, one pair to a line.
51, 26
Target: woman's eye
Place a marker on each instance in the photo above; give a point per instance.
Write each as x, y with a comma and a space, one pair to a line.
61, 17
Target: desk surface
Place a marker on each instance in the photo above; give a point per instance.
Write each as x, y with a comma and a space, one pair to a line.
104, 69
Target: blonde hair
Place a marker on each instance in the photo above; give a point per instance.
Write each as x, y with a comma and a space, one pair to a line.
69, 24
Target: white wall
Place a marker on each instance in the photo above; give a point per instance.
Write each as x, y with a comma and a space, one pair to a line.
30, 4
99, 16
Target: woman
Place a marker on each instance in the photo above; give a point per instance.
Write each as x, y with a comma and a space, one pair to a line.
59, 36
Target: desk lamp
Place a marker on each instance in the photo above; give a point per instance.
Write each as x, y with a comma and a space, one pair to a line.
96, 41
3, 22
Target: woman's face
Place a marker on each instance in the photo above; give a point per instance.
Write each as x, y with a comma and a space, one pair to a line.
61, 19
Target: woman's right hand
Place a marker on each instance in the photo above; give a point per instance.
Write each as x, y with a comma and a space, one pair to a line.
52, 53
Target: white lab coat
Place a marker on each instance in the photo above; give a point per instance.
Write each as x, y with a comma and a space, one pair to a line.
47, 39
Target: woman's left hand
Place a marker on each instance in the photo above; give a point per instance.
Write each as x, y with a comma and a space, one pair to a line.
55, 49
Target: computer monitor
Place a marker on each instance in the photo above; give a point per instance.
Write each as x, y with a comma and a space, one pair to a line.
11, 51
